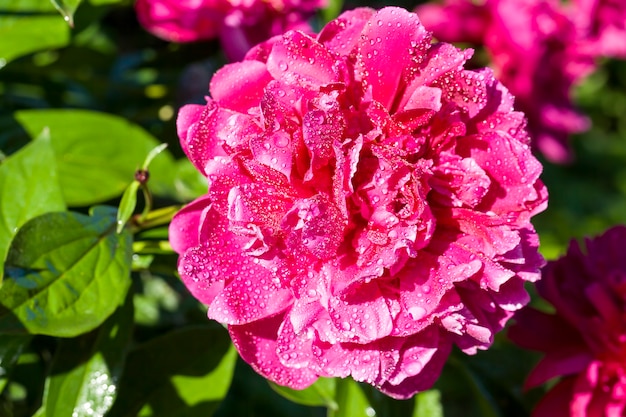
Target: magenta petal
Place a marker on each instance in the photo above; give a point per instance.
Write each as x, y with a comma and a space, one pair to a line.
342, 34
455, 20
388, 42
294, 350
184, 230
197, 267
363, 362
240, 86
245, 300
179, 20
568, 361
274, 150
420, 374
187, 116
197, 127
373, 319
300, 58
557, 401
256, 343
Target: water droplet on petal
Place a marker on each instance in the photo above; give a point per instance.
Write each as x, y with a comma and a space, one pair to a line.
417, 312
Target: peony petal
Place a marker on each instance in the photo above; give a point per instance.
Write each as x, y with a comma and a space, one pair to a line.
257, 345
557, 401
184, 230
301, 59
342, 34
275, 150
567, 361
455, 20
179, 21
240, 86
362, 315
428, 369
197, 129
246, 299
388, 44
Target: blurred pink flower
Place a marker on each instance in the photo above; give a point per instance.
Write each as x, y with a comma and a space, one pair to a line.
369, 204
603, 26
239, 24
584, 341
539, 50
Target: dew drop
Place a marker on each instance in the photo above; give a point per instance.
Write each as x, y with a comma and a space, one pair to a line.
417, 312
281, 141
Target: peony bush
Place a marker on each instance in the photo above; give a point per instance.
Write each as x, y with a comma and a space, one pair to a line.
368, 208
584, 340
540, 50
238, 25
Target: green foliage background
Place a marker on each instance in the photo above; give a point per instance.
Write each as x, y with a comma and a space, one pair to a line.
93, 319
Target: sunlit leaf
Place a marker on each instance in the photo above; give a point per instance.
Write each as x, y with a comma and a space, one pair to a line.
127, 205
321, 393
351, 400
22, 35
188, 183
428, 404
28, 187
86, 369
97, 154
65, 274
384, 405
332, 10
153, 154
184, 373
67, 8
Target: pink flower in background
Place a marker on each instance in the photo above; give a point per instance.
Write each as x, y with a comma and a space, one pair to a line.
539, 50
239, 24
584, 341
369, 204
603, 26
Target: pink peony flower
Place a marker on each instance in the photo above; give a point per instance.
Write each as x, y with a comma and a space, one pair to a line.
539, 50
584, 341
369, 204
239, 25
603, 26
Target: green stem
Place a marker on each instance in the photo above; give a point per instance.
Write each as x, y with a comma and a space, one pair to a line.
149, 219
147, 195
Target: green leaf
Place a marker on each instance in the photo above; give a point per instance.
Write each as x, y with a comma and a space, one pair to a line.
153, 154
351, 400
28, 187
486, 402
11, 347
321, 393
67, 8
127, 205
185, 373
189, 183
65, 274
428, 404
104, 2
27, 6
384, 405
86, 369
332, 10
22, 35
97, 154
